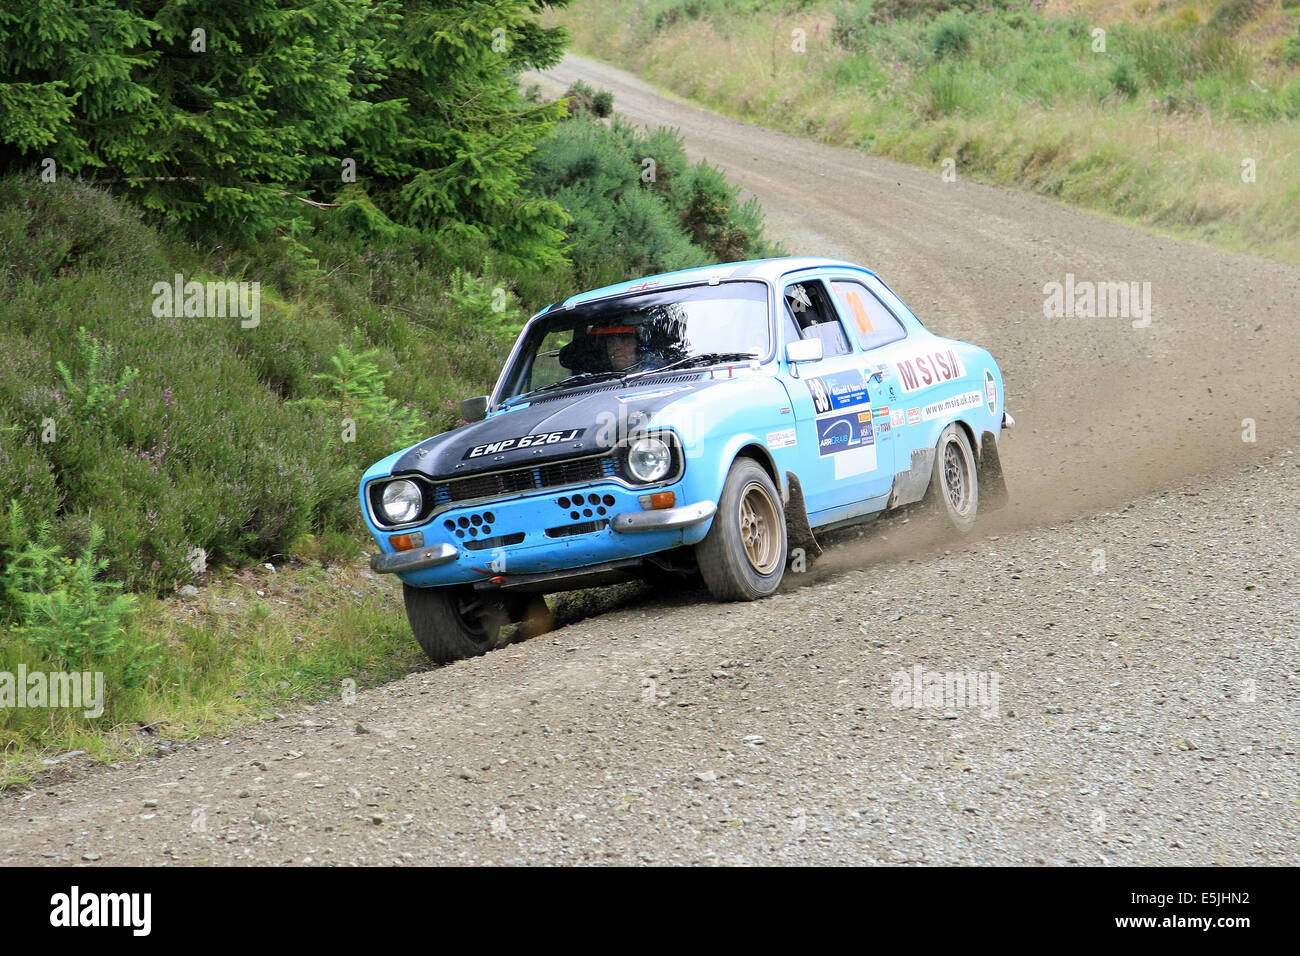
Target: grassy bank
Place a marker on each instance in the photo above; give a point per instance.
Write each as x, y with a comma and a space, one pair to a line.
1187, 121
251, 644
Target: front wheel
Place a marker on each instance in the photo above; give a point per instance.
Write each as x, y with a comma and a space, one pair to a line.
453, 623
954, 486
743, 556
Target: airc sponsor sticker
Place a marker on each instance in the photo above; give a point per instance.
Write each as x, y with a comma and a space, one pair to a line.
842, 432
990, 392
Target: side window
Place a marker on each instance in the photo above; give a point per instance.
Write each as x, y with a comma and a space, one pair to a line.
809, 307
547, 367
874, 324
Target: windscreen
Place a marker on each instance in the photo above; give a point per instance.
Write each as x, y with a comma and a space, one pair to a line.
641, 332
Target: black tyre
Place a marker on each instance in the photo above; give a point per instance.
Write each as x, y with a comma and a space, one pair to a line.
743, 556
954, 487
453, 623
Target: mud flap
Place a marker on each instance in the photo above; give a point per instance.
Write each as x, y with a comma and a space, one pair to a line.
798, 531
992, 484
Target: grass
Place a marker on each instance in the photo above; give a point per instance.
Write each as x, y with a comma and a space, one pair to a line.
1164, 128
254, 643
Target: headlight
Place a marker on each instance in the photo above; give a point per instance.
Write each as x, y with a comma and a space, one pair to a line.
649, 459
401, 501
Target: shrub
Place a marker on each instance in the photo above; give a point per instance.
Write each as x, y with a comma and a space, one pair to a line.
623, 226
1123, 79
1291, 49
951, 38
1229, 15
852, 26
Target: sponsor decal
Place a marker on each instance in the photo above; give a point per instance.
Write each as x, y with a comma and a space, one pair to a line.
831, 393
883, 419
855, 461
990, 392
839, 433
913, 416
524, 441
898, 417
782, 439
947, 406
930, 368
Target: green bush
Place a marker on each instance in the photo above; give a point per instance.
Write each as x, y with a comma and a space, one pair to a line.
1123, 79
952, 36
638, 206
1230, 14
853, 22
1291, 49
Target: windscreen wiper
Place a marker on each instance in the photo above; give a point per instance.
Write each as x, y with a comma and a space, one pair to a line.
704, 358
582, 378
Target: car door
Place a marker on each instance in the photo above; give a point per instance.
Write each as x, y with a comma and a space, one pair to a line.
833, 399
882, 335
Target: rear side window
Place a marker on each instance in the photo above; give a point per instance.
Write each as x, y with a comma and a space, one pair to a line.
808, 306
866, 315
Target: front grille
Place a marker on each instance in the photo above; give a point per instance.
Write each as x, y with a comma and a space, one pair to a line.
519, 480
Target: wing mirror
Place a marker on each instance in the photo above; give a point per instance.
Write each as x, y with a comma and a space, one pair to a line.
804, 350
474, 409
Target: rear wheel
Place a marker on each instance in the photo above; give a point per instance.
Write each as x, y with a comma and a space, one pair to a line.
743, 556
954, 486
453, 623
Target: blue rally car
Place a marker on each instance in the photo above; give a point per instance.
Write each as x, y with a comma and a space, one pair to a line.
704, 422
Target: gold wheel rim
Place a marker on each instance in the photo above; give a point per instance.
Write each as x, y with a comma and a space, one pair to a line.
760, 532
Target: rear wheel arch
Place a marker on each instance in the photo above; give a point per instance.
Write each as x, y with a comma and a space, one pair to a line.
972, 436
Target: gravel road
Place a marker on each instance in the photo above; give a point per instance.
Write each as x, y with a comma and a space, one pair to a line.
1125, 632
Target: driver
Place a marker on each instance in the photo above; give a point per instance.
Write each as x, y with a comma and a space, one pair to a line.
621, 346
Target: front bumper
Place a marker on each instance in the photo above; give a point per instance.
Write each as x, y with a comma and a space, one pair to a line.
663, 518
542, 534
414, 559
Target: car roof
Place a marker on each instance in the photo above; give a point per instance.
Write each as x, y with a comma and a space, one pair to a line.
769, 270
